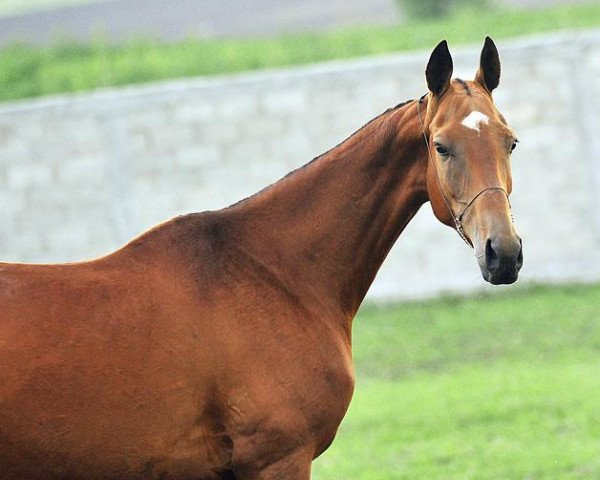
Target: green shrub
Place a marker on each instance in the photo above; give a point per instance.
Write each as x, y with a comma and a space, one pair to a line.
431, 9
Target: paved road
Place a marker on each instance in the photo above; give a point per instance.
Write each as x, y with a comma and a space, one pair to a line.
177, 19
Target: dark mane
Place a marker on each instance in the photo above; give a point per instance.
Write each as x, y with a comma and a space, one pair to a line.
378, 117
400, 105
389, 110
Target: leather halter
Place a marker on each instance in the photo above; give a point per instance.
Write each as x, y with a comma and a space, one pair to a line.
456, 219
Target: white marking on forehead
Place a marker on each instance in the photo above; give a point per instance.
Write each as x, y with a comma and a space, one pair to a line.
474, 119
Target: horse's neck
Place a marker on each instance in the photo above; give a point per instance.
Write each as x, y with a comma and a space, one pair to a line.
328, 226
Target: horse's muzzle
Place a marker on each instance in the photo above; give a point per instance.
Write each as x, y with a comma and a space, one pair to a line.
501, 260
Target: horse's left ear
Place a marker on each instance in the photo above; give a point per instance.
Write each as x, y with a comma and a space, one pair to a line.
488, 74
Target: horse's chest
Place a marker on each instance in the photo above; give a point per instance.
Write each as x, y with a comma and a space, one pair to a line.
331, 403
298, 401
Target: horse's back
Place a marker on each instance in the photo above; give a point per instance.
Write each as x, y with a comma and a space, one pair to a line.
85, 347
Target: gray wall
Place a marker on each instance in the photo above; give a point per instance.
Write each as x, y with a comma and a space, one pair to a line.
80, 175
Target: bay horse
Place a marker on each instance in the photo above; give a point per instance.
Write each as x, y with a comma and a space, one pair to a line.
217, 345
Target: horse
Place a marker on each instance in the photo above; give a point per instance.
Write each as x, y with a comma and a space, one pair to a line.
217, 345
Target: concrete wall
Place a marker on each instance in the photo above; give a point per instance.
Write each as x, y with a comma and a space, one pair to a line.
80, 175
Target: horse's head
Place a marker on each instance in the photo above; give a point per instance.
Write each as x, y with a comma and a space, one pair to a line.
468, 173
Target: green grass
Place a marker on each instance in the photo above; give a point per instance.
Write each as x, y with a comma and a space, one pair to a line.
503, 386
29, 71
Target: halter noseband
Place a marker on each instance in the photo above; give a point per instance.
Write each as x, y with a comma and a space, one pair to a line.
456, 219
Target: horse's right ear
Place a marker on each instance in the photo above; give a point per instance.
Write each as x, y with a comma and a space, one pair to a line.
439, 69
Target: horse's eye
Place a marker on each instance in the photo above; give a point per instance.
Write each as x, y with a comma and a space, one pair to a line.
514, 145
443, 151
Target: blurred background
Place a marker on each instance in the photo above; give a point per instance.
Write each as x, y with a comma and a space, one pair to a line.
116, 115
41, 21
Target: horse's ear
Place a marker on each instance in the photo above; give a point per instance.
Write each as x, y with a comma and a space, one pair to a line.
439, 69
488, 74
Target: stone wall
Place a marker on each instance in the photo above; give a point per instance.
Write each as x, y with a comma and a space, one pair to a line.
80, 175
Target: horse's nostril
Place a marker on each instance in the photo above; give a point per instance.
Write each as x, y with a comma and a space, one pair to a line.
491, 257
520, 256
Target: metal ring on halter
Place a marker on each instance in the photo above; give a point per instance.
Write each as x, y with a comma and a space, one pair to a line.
457, 219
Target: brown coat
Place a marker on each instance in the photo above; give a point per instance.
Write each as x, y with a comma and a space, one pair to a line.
218, 345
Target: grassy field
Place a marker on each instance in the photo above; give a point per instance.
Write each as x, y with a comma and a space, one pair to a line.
501, 386
29, 71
